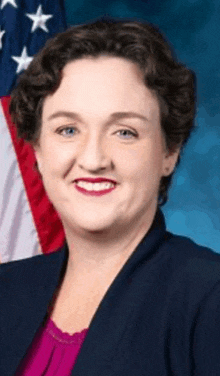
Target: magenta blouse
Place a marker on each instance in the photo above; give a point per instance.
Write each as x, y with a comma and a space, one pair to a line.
52, 353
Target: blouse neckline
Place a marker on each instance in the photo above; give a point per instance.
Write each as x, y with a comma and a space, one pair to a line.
64, 337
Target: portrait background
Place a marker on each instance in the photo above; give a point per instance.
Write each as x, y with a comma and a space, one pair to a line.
193, 28
29, 224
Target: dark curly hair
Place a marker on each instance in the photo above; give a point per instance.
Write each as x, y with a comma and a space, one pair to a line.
139, 42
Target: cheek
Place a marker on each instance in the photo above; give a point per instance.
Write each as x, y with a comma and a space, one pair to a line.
140, 162
56, 160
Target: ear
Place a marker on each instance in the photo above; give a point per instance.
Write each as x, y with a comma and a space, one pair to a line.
38, 157
170, 160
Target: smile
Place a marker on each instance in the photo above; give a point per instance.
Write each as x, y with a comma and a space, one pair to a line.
94, 189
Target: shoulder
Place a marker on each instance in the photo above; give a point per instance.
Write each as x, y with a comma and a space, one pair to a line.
194, 270
22, 270
190, 254
181, 255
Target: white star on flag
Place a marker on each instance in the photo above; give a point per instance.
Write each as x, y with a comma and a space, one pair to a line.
23, 60
39, 19
5, 2
1, 35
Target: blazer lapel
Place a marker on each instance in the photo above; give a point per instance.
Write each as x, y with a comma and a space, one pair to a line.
26, 288
118, 306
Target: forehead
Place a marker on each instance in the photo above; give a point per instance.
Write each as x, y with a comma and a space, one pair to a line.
104, 85
101, 64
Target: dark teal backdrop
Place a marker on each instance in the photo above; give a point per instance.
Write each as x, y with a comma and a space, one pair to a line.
193, 28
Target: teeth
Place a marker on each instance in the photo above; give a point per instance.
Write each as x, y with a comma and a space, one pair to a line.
94, 186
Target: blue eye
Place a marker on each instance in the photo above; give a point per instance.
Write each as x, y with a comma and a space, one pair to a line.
127, 134
67, 131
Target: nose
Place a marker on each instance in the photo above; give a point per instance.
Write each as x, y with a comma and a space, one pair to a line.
93, 156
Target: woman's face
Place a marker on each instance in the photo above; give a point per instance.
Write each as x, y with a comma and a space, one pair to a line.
102, 122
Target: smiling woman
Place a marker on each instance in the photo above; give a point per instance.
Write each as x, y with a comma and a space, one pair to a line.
102, 109
108, 109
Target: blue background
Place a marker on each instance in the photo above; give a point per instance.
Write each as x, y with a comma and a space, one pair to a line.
193, 28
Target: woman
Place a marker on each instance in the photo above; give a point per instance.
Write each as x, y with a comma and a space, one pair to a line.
108, 110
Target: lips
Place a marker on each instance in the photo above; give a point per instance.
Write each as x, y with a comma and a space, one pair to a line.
95, 186
96, 180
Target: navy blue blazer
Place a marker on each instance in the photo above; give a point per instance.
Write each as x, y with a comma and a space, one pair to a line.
159, 317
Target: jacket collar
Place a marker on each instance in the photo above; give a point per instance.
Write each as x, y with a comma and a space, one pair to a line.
27, 287
118, 305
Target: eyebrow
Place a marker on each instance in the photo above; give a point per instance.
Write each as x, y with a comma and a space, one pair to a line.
113, 117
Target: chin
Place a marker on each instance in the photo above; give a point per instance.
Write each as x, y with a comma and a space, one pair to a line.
92, 227
90, 224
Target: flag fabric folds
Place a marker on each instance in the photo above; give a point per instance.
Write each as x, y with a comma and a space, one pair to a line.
28, 222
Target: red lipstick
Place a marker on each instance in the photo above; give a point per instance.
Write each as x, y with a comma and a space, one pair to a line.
95, 180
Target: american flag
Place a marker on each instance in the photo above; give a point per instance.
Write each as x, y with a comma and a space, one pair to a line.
28, 222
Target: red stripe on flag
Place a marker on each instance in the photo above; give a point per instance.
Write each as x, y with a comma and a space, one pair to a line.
47, 222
